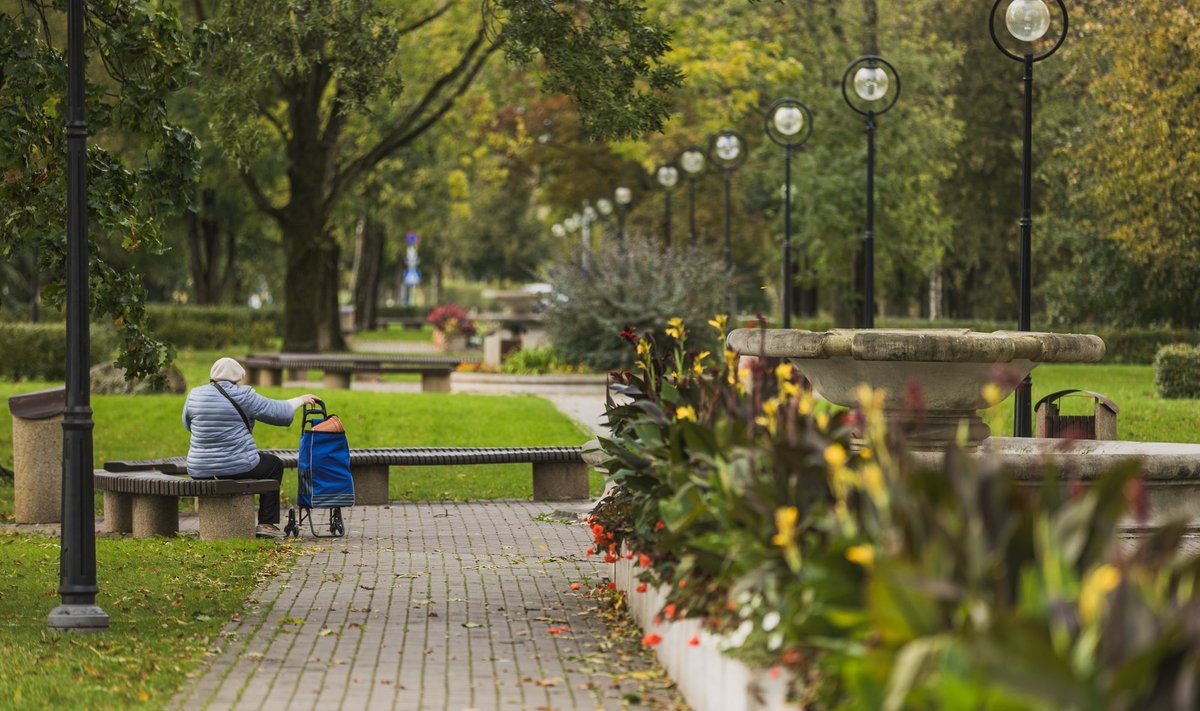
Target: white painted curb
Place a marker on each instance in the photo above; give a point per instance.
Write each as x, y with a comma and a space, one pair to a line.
708, 680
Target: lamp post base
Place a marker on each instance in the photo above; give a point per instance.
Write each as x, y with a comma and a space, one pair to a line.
78, 618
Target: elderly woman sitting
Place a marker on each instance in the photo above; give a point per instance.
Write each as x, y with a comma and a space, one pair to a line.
221, 417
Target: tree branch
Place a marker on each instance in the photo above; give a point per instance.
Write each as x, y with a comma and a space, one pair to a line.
271, 118
427, 19
260, 199
415, 122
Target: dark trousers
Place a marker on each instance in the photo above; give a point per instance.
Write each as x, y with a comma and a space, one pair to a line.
269, 467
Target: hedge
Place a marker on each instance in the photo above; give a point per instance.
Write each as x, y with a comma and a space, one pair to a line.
211, 327
38, 351
1177, 371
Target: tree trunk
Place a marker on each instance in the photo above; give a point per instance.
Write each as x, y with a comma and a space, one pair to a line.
368, 258
870, 27
329, 324
302, 279
210, 280
935, 294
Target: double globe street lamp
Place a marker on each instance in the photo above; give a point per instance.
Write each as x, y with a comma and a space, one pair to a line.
1028, 22
876, 88
668, 178
691, 160
789, 124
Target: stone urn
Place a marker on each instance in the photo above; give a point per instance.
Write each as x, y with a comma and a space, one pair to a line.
949, 367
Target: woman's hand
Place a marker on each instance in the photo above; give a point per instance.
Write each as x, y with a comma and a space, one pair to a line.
309, 399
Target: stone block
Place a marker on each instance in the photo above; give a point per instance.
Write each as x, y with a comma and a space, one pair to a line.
37, 469
227, 517
370, 484
337, 381
560, 481
118, 512
155, 516
269, 377
435, 382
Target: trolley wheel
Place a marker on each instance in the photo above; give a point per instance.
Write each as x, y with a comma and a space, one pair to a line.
336, 526
292, 528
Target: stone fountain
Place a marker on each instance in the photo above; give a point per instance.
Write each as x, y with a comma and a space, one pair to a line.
951, 368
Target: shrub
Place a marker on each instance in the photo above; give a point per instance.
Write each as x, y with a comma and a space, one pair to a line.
1141, 345
1177, 371
39, 350
538, 361
451, 320
640, 286
215, 327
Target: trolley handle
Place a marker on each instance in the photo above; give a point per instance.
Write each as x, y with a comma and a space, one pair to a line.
314, 411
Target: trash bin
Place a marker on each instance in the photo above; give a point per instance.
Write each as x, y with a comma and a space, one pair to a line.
1100, 425
38, 455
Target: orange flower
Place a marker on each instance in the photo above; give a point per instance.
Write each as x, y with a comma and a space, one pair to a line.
643, 560
590, 551
658, 526
682, 584
669, 611
610, 558
641, 588
651, 639
612, 586
554, 630
694, 641
574, 586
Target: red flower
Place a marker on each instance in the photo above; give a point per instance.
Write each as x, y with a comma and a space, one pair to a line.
658, 526
643, 560
612, 586
682, 584
669, 611
610, 558
555, 630
774, 672
641, 588
694, 641
574, 586
657, 620
629, 334
651, 639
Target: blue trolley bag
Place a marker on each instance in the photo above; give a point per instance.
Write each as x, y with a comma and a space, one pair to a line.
324, 474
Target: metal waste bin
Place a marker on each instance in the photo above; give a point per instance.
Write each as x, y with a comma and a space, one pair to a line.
38, 455
1100, 425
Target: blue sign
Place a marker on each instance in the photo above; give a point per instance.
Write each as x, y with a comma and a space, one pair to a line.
412, 277
412, 238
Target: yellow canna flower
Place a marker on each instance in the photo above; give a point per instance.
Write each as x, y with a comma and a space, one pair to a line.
873, 480
783, 372
785, 524
1096, 587
861, 555
992, 394
703, 356
675, 329
806, 404
835, 456
789, 389
823, 421
685, 414
866, 453
643, 347
719, 322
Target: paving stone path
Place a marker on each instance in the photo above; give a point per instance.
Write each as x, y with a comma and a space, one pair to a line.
432, 605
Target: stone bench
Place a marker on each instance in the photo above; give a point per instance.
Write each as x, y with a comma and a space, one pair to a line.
559, 473
338, 369
146, 503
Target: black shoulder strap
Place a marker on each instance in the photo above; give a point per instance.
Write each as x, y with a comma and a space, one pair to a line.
236, 406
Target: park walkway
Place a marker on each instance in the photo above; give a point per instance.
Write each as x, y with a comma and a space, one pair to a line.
433, 605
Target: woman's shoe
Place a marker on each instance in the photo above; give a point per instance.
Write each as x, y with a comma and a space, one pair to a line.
268, 530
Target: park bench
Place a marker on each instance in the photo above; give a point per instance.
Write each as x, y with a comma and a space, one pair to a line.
559, 473
146, 503
267, 369
408, 323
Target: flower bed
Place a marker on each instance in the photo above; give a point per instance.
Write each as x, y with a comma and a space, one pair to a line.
873, 581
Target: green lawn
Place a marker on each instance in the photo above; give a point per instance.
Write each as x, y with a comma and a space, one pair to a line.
167, 600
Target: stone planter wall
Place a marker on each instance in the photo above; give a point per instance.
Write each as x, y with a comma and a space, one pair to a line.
708, 680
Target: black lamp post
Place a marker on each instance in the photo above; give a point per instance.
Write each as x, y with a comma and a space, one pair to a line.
668, 177
623, 196
789, 124
1027, 21
77, 546
727, 151
691, 160
871, 83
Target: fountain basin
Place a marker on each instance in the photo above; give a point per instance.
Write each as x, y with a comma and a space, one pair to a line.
948, 367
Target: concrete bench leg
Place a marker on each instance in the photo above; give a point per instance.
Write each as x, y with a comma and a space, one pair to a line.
435, 382
337, 381
155, 516
270, 377
227, 517
118, 512
560, 481
297, 374
370, 484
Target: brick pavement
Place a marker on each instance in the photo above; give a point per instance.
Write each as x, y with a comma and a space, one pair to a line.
432, 605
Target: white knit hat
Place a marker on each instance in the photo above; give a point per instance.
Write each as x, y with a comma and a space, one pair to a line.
227, 369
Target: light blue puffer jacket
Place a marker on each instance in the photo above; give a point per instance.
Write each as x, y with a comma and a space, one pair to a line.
221, 444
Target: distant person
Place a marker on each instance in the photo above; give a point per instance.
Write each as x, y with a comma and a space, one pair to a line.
221, 417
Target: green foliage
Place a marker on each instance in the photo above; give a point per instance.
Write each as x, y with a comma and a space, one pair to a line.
1177, 371
1139, 345
881, 582
39, 351
211, 327
537, 361
167, 600
144, 60
639, 286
